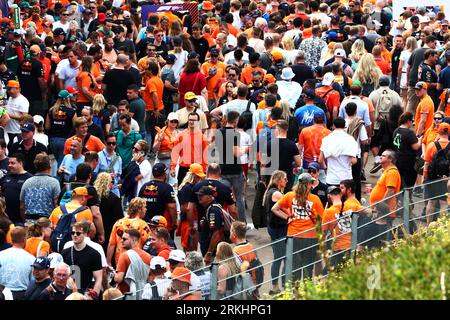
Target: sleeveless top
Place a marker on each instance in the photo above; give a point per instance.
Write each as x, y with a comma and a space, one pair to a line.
273, 220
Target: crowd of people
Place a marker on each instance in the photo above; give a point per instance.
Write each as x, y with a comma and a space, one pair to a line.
127, 141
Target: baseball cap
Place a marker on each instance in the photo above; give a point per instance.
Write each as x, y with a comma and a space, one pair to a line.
314, 165
205, 191
127, 14
158, 221
277, 55
340, 53
81, 191
333, 189
55, 259
385, 81
335, 18
424, 19
38, 119
421, 85
309, 94
171, 58
24, 4
58, 32
41, 263
28, 127
214, 52
348, 13
414, 19
158, 263
177, 41
181, 274
177, 255
159, 168
197, 169
269, 78
190, 96
444, 22
35, 49
101, 17
193, 55
444, 128
207, 5
47, 24
13, 84
172, 116
332, 35
71, 90
305, 177
328, 79
64, 94
87, 11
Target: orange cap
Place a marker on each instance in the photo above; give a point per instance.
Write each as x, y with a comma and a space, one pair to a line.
181, 274
444, 128
277, 55
81, 191
269, 78
197, 169
13, 84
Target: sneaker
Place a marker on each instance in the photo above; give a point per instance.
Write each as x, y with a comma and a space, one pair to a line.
376, 167
250, 226
363, 176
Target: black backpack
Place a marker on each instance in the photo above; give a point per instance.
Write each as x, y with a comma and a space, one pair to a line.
439, 166
62, 232
248, 116
155, 293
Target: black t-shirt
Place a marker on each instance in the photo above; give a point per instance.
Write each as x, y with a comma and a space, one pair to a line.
136, 75
127, 44
414, 62
93, 199
201, 46
321, 191
96, 131
229, 163
223, 195
287, 151
4, 165
403, 140
158, 195
11, 185
184, 196
87, 261
29, 155
427, 73
162, 50
55, 295
124, 23
396, 61
302, 73
211, 222
6, 76
117, 82
28, 72
34, 289
61, 122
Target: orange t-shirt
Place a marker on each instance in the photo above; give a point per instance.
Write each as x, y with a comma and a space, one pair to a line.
8, 235
84, 80
153, 84
97, 68
446, 103
124, 224
303, 219
332, 98
246, 75
341, 223
307, 33
426, 105
168, 141
245, 252
386, 55
262, 104
51, 3
211, 83
38, 23
46, 66
231, 29
71, 207
32, 246
390, 178
430, 135
311, 139
191, 148
431, 150
93, 144
124, 262
384, 66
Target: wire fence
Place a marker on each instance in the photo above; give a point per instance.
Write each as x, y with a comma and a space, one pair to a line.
371, 227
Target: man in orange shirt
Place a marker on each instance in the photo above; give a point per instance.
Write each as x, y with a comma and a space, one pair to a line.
310, 140
444, 105
425, 110
35, 11
384, 66
78, 203
436, 189
90, 142
214, 71
246, 75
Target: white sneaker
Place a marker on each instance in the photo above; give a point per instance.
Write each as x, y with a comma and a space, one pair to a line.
250, 226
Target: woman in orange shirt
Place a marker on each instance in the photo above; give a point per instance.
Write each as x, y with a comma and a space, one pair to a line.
86, 83
432, 134
37, 232
302, 210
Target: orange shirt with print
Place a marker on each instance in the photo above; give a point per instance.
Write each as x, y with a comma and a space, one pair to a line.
245, 252
168, 139
430, 151
426, 105
32, 246
332, 98
119, 228
84, 80
38, 23
304, 220
339, 223
153, 84
97, 68
93, 144
211, 83
446, 103
390, 178
71, 207
191, 148
124, 263
311, 139
46, 66
246, 75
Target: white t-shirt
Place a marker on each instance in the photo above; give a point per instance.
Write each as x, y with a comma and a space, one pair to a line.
67, 73
404, 56
42, 138
15, 106
179, 63
97, 247
237, 105
290, 91
245, 142
257, 44
161, 284
146, 170
361, 137
58, 24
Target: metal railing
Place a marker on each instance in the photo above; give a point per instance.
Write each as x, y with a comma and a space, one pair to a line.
406, 210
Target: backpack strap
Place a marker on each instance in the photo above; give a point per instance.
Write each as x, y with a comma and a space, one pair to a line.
326, 93
248, 105
155, 293
438, 146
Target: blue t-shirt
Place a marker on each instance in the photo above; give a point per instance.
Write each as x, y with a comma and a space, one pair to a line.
444, 77
71, 165
305, 115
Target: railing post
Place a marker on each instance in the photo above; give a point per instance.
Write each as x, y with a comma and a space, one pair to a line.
214, 280
354, 233
406, 213
289, 258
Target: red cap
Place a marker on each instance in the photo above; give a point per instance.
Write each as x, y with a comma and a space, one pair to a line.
71, 90
101, 17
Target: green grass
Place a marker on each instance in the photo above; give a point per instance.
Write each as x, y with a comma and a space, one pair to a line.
416, 268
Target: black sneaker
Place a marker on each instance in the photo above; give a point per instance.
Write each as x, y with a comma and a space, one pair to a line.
376, 167
363, 176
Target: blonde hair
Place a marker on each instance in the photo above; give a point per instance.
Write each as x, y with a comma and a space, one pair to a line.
175, 29
102, 183
411, 44
3, 208
35, 230
367, 71
58, 103
288, 43
358, 49
284, 104
277, 175
99, 103
225, 256
134, 206
112, 294
302, 191
189, 178
76, 296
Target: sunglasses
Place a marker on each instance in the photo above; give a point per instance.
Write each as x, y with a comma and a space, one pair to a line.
125, 239
111, 143
312, 171
136, 149
173, 121
92, 7
77, 233
438, 118
65, 14
232, 75
151, 50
